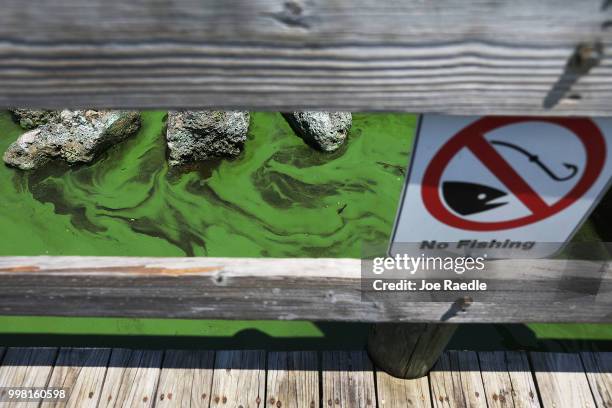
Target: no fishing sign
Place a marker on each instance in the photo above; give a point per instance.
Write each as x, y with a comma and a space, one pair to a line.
503, 182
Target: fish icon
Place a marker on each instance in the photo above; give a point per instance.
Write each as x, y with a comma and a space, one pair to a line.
470, 198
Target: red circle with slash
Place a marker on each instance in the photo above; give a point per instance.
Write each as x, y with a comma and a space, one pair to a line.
472, 138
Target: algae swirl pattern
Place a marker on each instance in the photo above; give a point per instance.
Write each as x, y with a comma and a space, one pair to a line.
278, 198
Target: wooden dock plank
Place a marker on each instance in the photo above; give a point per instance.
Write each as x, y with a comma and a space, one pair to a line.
395, 392
456, 381
82, 370
131, 378
26, 367
561, 380
186, 379
496, 379
598, 368
239, 379
523, 383
293, 380
507, 379
348, 379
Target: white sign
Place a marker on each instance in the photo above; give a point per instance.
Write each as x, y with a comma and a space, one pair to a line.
493, 181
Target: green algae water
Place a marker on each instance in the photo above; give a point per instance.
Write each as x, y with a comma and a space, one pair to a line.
280, 198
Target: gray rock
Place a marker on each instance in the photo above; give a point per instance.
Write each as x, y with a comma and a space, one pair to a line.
31, 118
326, 131
74, 136
194, 136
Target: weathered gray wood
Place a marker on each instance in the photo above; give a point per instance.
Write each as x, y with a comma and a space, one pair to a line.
291, 289
456, 381
239, 379
82, 371
561, 380
131, 378
598, 368
347, 380
394, 392
185, 379
462, 56
408, 350
26, 367
460, 379
507, 379
496, 379
292, 380
523, 383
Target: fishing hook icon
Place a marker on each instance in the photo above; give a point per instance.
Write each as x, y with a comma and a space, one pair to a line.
536, 160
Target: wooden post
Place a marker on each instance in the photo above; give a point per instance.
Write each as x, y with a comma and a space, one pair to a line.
408, 350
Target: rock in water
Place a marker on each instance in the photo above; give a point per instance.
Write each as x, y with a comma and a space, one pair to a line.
194, 136
74, 136
31, 118
325, 131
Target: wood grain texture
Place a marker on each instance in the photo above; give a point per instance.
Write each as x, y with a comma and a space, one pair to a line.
185, 379
291, 289
598, 368
561, 380
81, 370
496, 379
394, 392
347, 380
239, 379
507, 379
456, 381
26, 367
131, 378
523, 383
292, 380
462, 56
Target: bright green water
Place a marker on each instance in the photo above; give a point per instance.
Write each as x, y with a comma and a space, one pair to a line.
280, 198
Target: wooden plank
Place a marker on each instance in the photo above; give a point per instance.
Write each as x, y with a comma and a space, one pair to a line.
131, 378
469, 56
239, 379
598, 368
525, 393
82, 371
496, 379
395, 392
292, 289
456, 381
561, 380
348, 379
293, 380
26, 367
186, 379
507, 379
317, 20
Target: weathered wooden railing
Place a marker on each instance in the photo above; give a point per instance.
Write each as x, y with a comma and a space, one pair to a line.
292, 289
459, 56
312, 289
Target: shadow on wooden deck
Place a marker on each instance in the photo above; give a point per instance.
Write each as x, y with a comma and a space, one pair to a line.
102, 377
